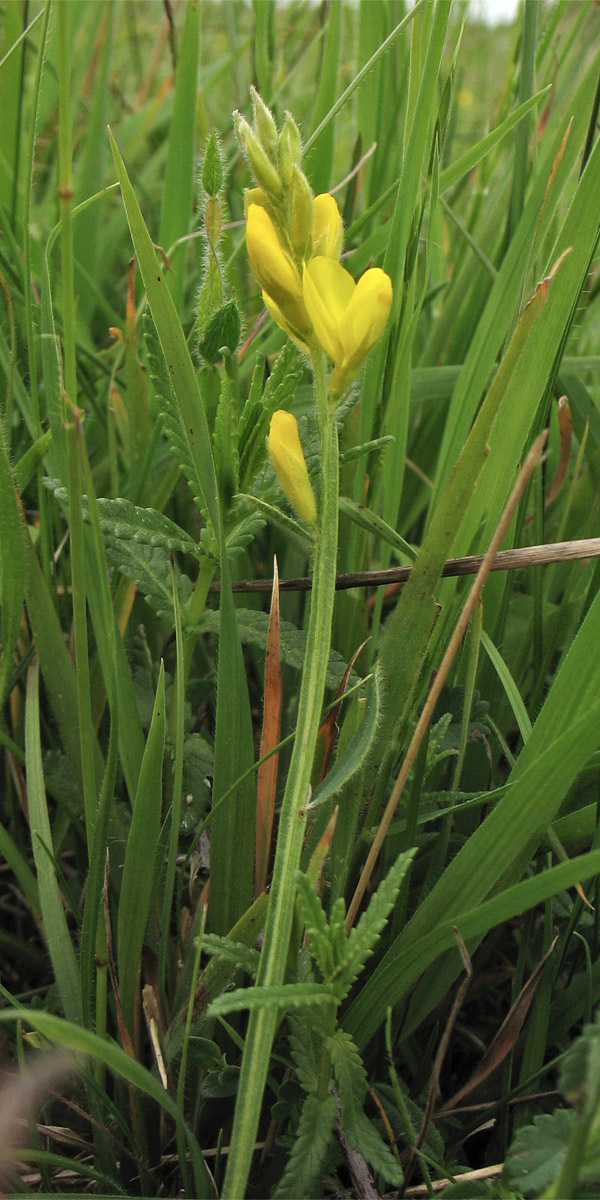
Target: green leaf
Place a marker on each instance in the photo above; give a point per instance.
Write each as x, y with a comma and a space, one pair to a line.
353, 756
308, 1157
135, 899
253, 628
225, 441
407, 959
12, 569
150, 570
365, 519
471, 157
352, 1084
11, 854
506, 294
537, 1153
318, 162
58, 936
363, 937
282, 995
55, 660
317, 928
187, 404
512, 692
72, 1037
120, 520
221, 333
306, 1032
171, 415
242, 957
178, 183
262, 402
412, 623
26, 467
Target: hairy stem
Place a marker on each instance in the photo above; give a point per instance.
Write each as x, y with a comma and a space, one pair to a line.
263, 1022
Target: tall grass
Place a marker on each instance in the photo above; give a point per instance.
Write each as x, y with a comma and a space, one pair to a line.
412, 767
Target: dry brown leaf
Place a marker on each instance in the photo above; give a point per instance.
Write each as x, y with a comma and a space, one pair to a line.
506, 1037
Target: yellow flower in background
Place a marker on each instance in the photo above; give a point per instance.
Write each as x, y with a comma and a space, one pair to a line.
347, 317
287, 460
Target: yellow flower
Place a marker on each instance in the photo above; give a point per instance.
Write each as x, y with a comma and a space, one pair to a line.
287, 460
276, 273
347, 317
328, 228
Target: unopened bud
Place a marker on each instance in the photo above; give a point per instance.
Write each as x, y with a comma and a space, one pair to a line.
212, 167
301, 213
287, 460
289, 148
265, 125
264, 171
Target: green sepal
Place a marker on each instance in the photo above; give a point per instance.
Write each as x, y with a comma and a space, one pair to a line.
222, 332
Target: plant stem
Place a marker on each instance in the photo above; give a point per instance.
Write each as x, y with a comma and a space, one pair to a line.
263, 1022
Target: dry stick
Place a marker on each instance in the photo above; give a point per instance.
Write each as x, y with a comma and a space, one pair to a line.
531, 462
440, 1185
506, 560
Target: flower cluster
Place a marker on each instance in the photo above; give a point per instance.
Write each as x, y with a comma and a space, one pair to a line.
294, 242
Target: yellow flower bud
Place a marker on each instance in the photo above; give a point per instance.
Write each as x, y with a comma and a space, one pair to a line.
287, 460
276, 271
301, 212
347, 317
328, 228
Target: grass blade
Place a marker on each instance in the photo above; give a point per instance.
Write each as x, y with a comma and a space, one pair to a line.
58, 936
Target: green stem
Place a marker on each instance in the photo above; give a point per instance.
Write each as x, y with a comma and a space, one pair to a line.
263, 1022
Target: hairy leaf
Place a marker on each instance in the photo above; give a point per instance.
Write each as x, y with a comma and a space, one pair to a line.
314, 1136
537, 1153
352, 1084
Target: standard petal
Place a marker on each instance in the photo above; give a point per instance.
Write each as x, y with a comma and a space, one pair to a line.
367, 313
328, 290
328, 228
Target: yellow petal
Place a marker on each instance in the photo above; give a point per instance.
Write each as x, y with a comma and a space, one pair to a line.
280, 319
367, 313
328, 228
328, 290
272, 267
287, 460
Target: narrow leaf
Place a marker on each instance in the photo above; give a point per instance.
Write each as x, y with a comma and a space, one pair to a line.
138, 870
58, 936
